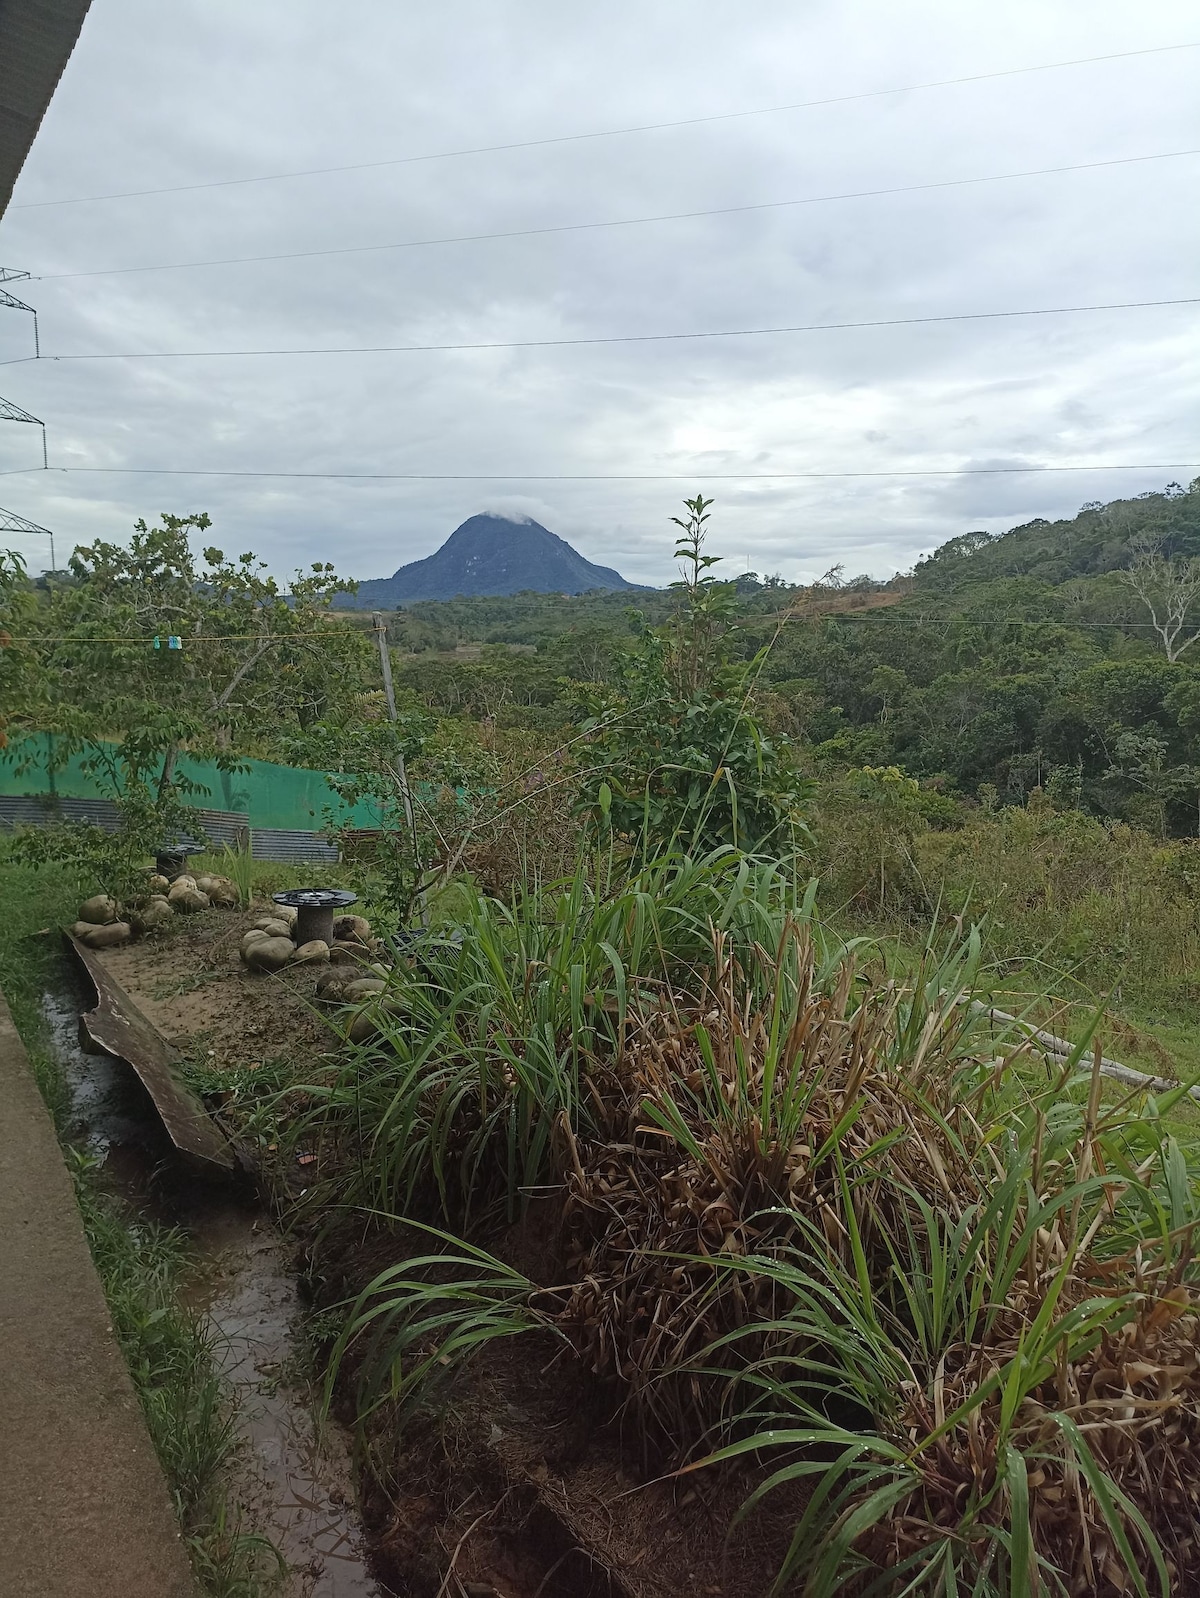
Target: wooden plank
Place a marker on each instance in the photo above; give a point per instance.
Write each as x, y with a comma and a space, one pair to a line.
120, 1028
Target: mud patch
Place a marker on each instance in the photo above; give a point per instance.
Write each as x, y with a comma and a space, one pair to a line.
189, 981
293, 1485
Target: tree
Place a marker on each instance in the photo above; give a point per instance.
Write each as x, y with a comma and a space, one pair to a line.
22, 681
252, 662
141, 651
676, 755
1167, 586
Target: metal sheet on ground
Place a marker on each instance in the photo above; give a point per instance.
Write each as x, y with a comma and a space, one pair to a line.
118, 1026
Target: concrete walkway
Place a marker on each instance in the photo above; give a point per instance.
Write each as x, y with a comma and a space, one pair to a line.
84, 1509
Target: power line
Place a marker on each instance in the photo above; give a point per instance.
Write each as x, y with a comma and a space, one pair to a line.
619, 338
618, 222
610, 477
605, 133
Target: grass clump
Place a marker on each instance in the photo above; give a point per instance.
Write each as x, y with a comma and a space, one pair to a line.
172, 1359
818, 1216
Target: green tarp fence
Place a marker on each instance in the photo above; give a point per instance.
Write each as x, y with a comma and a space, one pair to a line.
287, 797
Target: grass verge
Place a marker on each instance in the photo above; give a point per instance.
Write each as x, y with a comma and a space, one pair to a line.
143, 1268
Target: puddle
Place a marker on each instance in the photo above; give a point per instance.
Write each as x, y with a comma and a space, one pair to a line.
296, 1490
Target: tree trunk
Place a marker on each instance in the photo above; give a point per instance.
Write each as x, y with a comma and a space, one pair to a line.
168, 769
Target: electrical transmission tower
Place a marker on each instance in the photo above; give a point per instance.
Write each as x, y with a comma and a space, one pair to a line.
13, 413
9, 274
10, 522
10, 412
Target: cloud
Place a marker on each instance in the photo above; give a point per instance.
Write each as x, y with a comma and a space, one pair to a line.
161, 95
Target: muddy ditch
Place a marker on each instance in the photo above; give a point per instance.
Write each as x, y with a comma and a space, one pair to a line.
519, 1483
291, 1485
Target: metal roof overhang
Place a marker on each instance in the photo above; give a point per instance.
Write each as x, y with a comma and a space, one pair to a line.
36, 40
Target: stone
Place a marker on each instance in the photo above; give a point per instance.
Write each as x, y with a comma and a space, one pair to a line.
98, 910
352, 929
107, 936
158, 883
314, 952
363, 988
269, 954
224, 894
274, 927
347, 953
156, 912
331, 985
185, 896
364, 1026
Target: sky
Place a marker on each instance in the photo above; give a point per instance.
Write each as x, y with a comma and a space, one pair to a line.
173, 96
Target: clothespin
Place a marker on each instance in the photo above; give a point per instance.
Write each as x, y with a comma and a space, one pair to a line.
174, 641
157, 641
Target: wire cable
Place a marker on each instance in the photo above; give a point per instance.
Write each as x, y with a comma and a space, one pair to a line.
610, 477
606, 133
615, 338
618, 222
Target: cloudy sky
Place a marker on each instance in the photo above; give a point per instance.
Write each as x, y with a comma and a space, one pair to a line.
166, 96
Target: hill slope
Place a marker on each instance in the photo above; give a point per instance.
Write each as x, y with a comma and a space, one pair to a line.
490, 555
1095, 541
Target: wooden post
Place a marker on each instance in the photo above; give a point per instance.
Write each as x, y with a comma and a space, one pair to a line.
385, 663
385, 666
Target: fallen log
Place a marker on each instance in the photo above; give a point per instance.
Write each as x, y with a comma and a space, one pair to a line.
1063, 1048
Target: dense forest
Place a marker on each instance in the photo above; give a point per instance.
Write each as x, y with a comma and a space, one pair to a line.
1003, 664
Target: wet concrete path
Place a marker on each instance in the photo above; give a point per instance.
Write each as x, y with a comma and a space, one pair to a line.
84, 1509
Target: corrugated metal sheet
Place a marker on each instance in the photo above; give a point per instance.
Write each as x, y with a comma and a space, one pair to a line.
221, 826
273, 843
36, 40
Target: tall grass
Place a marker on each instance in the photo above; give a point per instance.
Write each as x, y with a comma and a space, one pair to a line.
819, 1216
489, 1043
239, 868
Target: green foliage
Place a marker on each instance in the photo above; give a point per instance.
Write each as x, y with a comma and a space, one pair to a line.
253, 660
876, 813
116, 861
484, 1042
934, 1248
677, 756
1097, 540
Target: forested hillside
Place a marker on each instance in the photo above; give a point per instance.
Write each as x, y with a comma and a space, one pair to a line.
1004, 664
766, 880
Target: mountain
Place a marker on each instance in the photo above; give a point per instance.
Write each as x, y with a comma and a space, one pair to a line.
489, 555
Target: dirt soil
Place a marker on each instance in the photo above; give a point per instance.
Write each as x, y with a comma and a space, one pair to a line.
525, 1485
189, 980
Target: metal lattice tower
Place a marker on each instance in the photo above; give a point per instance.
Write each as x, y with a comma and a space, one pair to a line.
9, 274
10, 522
13, 413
